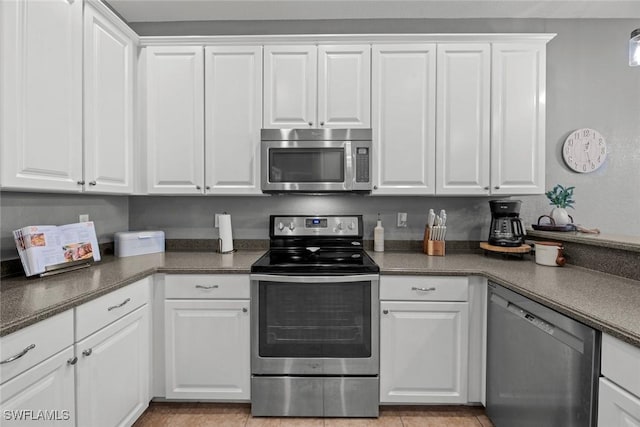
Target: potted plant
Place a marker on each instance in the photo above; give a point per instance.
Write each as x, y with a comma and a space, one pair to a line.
561, 198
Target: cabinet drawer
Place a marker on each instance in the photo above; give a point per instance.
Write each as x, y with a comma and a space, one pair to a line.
42, 340
100, 312
424, 288
621, 363
206, 286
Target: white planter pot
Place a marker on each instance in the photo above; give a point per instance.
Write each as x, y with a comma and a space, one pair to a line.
560, 216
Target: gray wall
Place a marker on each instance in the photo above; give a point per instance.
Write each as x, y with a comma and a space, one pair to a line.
589, 84
109, 213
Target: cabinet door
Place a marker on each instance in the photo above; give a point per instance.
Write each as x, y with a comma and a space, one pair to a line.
616, 406
41, 102
423, 352
404, 119
233, 84
344, 86
462, 146
47, 387
108, 90
518, 118
113, 372
175, 120
207, 349
290, 83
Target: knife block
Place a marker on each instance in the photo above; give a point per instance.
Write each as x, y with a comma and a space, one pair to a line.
432, 247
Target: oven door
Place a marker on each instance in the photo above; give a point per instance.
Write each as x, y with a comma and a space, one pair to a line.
314, 325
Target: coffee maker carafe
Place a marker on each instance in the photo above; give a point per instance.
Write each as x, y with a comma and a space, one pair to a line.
506, 225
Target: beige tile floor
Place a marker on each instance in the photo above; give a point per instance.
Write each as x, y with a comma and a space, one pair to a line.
239, 415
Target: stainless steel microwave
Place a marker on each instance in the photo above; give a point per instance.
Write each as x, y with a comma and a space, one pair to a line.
316, 160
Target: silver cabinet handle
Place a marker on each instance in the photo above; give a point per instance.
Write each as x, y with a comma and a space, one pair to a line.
486, 188
198, 187
119, 305
244, 309
375, 187
385, 311
423, 289
321, 123
208, 187
207, 287
92, 183
310, 123
19, 355
87, 352
497, 187
72, 361
81, 182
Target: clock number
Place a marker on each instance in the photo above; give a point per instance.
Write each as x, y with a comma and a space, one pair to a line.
570, 159
586, 132
600, 141
593, 166
584, 168
602, 151
599, 159
571, 143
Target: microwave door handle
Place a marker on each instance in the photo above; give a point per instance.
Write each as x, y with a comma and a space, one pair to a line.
348, 166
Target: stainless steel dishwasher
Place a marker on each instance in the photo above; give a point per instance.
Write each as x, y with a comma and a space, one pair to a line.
542, 367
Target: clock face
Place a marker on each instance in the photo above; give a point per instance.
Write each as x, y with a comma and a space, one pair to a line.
584, 150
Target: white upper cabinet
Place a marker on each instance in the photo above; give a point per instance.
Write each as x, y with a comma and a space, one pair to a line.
404, 119
41, 103
233, 100
308, 86
175, 119
463, 119
290, 76
344, 86
518, 118
109, 111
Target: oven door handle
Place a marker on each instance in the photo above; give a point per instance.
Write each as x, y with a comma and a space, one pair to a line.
314, 279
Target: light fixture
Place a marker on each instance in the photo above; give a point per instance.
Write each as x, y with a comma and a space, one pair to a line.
634, 48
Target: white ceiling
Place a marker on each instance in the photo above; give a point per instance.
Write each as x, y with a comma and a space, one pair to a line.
220, 10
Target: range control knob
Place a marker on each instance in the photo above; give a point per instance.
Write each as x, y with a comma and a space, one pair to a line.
280, 226
292, 226
352, 226
340, 226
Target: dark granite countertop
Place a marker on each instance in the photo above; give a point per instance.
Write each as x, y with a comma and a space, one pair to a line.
605, 302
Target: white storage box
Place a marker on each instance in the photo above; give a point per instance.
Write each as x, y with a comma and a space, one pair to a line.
129, 243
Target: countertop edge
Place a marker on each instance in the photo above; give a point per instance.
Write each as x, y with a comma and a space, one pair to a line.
625, 335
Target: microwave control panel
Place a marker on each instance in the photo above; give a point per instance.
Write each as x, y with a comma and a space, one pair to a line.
362, 164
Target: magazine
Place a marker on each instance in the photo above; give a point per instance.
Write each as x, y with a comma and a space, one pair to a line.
42, 246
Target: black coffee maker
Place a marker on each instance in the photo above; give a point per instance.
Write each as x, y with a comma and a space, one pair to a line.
506, 226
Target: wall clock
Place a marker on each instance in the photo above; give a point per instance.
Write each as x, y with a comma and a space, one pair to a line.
584, 150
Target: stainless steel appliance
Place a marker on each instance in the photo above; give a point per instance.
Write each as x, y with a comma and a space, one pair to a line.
314, 325
316, 160
542, 367
506, 226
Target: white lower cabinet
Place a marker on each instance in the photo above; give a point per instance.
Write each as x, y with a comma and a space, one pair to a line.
42, 395
207, 345
113, 372
619, 394
424, 343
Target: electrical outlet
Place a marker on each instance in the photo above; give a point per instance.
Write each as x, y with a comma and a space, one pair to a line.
402, 219
83, 217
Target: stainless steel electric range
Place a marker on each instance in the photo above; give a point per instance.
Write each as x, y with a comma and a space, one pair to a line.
314, 326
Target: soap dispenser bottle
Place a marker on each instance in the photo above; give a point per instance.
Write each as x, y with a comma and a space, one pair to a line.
378, 236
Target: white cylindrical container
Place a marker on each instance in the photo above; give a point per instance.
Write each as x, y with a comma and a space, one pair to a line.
226, 237
378, 237
549, 253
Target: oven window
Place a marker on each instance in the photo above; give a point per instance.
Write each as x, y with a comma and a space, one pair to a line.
306, 165
315, 320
